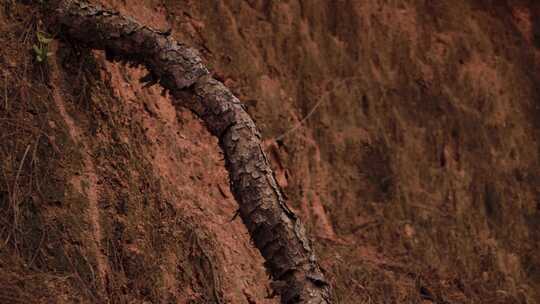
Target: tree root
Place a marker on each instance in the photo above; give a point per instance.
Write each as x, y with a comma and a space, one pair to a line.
274, 228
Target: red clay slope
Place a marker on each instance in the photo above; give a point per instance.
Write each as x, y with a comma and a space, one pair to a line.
417, 173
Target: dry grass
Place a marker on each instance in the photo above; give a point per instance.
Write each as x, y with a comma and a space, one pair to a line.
37, 256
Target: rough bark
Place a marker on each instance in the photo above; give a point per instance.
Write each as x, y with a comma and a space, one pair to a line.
275, 229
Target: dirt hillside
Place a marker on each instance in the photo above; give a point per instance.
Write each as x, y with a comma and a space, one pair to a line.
405, 133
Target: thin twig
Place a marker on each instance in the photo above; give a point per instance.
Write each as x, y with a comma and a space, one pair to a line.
312, 111
6, 241
7, 182
77, 275
6, 93
37, 250
299, 124
15, 186
31, 128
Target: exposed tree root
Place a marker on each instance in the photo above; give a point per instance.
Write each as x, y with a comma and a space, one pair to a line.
274, 228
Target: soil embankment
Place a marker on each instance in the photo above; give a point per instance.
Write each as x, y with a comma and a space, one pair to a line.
417, 172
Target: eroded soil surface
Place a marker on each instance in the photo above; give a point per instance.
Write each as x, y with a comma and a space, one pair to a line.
405, 134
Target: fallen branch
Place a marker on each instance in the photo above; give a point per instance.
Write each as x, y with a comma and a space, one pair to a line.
274, 228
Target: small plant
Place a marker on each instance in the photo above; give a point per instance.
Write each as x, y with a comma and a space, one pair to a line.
41, 49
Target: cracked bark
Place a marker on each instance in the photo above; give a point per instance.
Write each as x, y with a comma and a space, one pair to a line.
275, 229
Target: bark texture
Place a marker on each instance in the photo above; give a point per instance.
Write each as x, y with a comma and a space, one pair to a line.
275, 229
